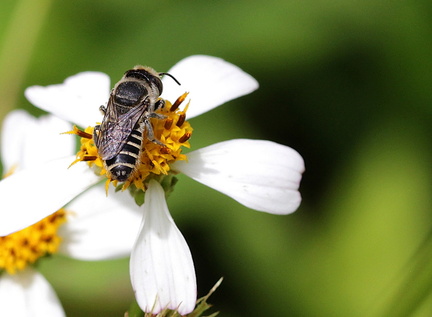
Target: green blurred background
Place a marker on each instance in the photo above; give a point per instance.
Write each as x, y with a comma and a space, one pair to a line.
346, 83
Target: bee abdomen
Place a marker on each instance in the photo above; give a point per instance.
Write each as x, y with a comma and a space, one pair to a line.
123, 164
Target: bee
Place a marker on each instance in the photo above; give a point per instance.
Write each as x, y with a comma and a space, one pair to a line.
132, 102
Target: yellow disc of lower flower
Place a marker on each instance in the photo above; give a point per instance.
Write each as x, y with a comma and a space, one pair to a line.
26, 246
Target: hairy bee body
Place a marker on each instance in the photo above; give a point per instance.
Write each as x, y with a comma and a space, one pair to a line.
121, 166
131, 104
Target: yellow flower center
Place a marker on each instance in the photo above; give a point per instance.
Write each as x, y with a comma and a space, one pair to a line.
154, 160
24, 247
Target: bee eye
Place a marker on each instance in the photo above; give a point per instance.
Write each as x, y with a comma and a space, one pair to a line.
129, 93
156, 81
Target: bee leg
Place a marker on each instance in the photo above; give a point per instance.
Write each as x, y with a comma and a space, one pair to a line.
102, 109
159, 104
156, 105
96, 132
150, 133
156, 115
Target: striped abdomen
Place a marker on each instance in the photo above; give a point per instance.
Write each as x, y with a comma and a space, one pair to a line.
123, 164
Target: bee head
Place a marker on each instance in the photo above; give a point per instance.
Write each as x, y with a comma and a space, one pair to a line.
146, 74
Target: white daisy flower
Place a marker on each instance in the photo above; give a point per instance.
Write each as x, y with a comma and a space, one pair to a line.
262, 175
27, 143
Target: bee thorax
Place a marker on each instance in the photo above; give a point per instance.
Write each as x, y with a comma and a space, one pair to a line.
129, 93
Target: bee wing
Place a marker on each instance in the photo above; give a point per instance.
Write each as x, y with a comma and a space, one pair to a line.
115, 129
112, 138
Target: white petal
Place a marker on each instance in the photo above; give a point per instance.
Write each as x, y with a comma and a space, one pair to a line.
77, 100
261, 175
30, 195
13, 136
25, 139
210, 81
28, 293
101, 227
161, 265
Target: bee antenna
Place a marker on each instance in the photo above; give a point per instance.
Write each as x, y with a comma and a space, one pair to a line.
160, 74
